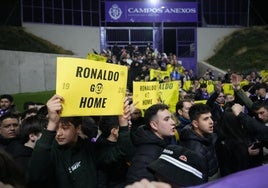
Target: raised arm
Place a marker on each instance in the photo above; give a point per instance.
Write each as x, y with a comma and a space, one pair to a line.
40, 165
243, 96
124, 119
54, 106
255, 127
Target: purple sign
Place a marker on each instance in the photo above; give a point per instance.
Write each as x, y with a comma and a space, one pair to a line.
123, 11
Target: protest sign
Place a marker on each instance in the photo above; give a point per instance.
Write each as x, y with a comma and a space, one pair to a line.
145, 94
168, 94
90, 88
157, 74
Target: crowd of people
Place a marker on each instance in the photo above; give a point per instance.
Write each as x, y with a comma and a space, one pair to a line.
199, 145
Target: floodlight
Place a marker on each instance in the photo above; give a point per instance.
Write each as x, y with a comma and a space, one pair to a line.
154, 2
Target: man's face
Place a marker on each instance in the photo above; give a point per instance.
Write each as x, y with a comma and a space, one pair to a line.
184, 112
204, 124
9, 128
163, 124
261, 92
220, 99
5, 104
67, 134
203, 89
262, 114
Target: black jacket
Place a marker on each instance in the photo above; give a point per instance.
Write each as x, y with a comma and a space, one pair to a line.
216, 108
254, 127
6, 144
65, 167
148, 148
232, 145
113, 160
20, 153
204, 146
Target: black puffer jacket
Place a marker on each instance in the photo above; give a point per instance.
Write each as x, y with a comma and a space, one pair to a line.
148, 149
113, 160
205, 146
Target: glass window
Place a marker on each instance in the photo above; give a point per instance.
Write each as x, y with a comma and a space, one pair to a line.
86, 18
95, 5
68, 19
58, 17
77, 18
67, 4
77, 5
86, 5
48, 3
95, 19
37, 15
37, 3
27, 14
27, 2
57, 3
48, 16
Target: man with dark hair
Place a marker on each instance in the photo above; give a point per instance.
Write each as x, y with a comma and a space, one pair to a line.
202, 92
6, 104
260, 108
260, 93
216, 102
150, 139
9, 125
21, 147
200, 138
58, 156
28, 133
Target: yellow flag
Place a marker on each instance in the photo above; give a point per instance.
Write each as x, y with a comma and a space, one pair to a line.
187, 85
158, 74
90, 88
243, 83
264, 73
96, 57
169, 94
200, 101
170, 68
228, 88
145, 94
210, 86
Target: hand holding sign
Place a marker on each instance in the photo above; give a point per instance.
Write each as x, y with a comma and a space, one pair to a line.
54, 107
125, 118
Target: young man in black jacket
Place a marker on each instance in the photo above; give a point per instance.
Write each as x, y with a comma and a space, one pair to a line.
150, 140
61, 156
200, 138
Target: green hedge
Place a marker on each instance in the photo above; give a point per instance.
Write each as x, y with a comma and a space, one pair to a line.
40, 97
